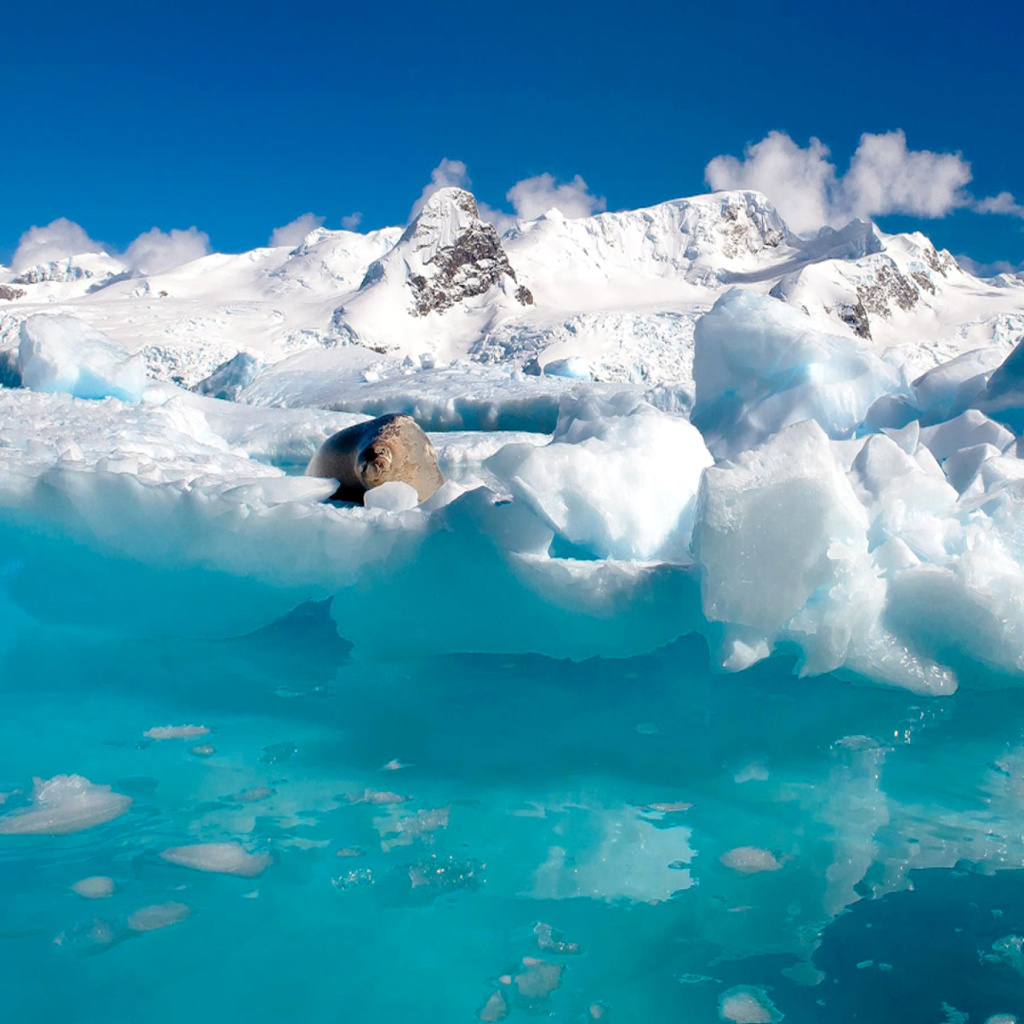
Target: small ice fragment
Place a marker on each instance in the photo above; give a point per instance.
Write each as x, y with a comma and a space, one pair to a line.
254, 895
376, 797
550, 941
222, 858
252, 795
159, 915
756, 771
63, 804
203, 750
885, 967
807, 974
495, 1009
360, 878
747, 1005
538, 979
646, 728
96, 936
749, 860
391, 496
96, 887
597, 1011
1001, 1018
394, 765
435, 875
278, 752
864, 964
675, 807
415, 826
175, 732
348, 851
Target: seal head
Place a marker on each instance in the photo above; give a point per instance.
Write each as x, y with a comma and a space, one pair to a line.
391, 447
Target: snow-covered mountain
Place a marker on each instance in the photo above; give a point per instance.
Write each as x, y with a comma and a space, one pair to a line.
615, 296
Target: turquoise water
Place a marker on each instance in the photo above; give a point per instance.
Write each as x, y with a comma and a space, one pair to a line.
594, 798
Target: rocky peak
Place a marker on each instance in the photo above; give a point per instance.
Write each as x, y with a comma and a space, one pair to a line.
448, 254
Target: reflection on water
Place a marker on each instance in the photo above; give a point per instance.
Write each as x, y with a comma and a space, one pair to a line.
475, 837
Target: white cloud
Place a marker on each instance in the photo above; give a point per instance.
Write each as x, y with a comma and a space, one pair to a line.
501, 220
1003, 203
884, 177
446, 174
53, 241
533, 196
800, 182
292, 233
352, 221
155, 251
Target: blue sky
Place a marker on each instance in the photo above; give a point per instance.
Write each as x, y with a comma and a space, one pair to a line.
237, 118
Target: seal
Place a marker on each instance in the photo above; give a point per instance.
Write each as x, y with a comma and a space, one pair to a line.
391, 447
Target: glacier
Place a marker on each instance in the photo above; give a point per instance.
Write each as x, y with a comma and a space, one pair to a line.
693, 694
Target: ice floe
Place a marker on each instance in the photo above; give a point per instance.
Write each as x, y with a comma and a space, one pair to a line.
220, 858
63, 804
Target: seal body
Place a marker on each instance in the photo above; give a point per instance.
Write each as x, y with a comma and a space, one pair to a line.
391, 447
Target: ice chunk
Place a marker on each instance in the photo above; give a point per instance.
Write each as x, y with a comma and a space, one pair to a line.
550, 940
759, 366
949, 388
159, 915
535, 982
750, 860
231, 378
222, 858
964, 466
96, 887
575, 367
495, 1009
61, 353
392, 496
1003, 396
747, 1005
776, 527
618, 479
65, 803
965, 431
175, 732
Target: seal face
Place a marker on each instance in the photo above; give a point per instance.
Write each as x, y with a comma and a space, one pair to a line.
391, 447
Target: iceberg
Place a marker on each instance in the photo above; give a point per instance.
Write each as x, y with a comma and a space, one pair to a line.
60, 353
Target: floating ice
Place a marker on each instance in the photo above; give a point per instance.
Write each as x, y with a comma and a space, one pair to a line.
392, 496
575, 367
96, 887
65, 803
618, 479
175, 732
495, 1009
60, 353
221, 858
159, 915
750, 860
747, 1005
760, 366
